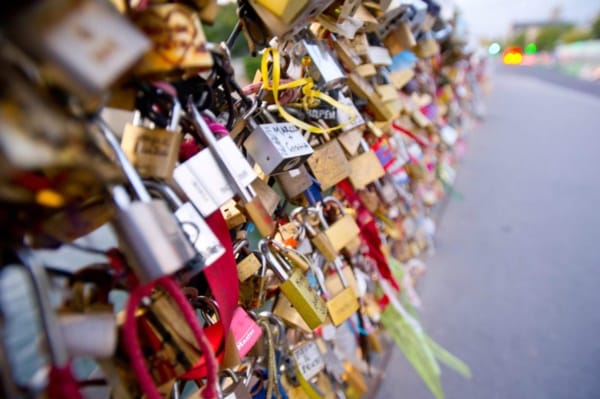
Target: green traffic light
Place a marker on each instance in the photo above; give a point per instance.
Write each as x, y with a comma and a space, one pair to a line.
531, 48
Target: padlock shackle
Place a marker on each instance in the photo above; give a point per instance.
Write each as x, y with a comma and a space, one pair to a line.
165, 191
127, 167
271, 260
57, 349
245, 193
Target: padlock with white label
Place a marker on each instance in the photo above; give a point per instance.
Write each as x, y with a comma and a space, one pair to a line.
154, 243
276, 147
209, 248
297, 290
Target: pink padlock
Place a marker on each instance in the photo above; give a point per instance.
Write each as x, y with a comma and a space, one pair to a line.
246, 331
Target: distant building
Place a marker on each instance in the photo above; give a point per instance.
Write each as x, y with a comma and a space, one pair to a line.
531, 29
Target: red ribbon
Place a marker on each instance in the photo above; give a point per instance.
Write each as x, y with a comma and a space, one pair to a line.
369, 232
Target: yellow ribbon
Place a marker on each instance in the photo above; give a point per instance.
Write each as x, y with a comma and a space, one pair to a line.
308, 90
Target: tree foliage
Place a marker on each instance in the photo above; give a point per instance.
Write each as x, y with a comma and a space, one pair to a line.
222, 28
549, 36
576, 35
595, 30
518, 41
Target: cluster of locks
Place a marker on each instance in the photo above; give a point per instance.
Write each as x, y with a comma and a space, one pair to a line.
266, 235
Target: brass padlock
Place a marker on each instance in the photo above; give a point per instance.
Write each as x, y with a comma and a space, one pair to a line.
318, 238
365, 168
178, 38
344, 230
269, 197
297, 290
400, 39
249, 262
329, 164
153, 151
342, 304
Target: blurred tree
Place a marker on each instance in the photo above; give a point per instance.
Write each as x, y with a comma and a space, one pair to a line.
576, 35
222, 28
595, 31
517, 41
549, 36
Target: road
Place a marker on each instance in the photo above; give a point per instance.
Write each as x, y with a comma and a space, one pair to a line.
514, 288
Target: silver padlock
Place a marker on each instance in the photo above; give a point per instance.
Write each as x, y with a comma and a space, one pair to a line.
201, 236
154, 244
379, 56
237, 389
277, 147
323, 68
54, 340
236, 182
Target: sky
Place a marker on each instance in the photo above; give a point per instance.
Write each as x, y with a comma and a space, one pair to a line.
493, 18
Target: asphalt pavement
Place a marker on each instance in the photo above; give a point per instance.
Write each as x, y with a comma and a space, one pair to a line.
514, 287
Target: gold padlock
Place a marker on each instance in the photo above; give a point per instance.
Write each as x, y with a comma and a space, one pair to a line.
344, 230
178, 37
400, 39
316, 236
153, 152
329, 164
269, 197
343, 304
296, 289
365, 168
350, 140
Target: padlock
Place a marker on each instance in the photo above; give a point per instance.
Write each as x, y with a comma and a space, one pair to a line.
349, 122
318, 238
291, 255
233, 215
342, 304
237, 389
249, 262
344, 275
427, 46
252, 205
153, 152
365, 168
346, 53
154, 244
294, 182
92, 334
329, 164
309, 360
286, 18
268, 196
253, 288
61, 380
323, 68
276, 147
208, 247
246, 332
179, 43
379, 56
297, 290
87, 46
399, 39
344, 230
